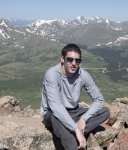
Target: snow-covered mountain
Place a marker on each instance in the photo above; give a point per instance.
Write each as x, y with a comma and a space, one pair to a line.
95, 31
4, 28
92, 31
80, 20
8, 30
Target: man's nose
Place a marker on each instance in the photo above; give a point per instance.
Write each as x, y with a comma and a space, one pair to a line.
74, 62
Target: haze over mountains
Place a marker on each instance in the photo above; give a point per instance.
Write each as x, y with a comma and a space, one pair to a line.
28, 48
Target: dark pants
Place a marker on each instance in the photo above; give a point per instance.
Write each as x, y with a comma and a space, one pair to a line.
63, 138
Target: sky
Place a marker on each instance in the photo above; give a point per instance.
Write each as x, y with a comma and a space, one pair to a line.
52, 9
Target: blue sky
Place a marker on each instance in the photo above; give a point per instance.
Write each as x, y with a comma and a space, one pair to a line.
52, 9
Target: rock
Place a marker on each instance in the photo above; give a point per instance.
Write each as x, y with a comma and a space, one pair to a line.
123, 116
28, 111
121, 143
122, 100
105, 137
92, 143
114, 112
119, 124
118, 113
9, 104
24, 133
8, 100
21, 128
31, 142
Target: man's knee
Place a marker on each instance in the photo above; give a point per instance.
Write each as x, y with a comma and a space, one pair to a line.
106, 113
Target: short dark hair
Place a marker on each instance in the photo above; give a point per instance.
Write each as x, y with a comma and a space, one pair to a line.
70, 47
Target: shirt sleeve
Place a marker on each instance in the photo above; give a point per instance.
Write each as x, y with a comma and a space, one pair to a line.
95, 94
51, 93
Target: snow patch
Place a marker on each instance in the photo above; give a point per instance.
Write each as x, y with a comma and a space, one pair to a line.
4, 35
3, 24
19, 32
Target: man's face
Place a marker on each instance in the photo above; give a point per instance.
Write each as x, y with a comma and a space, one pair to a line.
71, 62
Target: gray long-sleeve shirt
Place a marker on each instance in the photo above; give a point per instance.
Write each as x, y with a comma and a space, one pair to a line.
60, 92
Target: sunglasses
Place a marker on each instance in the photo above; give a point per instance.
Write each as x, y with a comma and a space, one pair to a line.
70, 60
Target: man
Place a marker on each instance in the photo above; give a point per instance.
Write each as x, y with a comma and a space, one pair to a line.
63, 116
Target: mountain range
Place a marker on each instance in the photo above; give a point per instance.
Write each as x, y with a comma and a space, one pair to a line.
95, 31
28, 48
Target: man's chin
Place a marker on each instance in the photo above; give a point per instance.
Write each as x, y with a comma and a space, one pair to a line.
73, 71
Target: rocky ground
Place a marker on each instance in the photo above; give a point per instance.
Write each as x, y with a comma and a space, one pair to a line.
21, 128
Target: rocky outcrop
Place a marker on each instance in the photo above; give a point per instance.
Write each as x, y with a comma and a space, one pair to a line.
9, 104
115, 135
21, 128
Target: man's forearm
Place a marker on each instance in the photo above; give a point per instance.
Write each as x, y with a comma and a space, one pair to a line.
80, 134
95, 106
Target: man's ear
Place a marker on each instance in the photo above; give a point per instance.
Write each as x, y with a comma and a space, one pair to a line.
62, 59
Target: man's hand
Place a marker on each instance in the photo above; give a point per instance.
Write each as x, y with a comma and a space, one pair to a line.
80, 133
81, 125
80, 137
